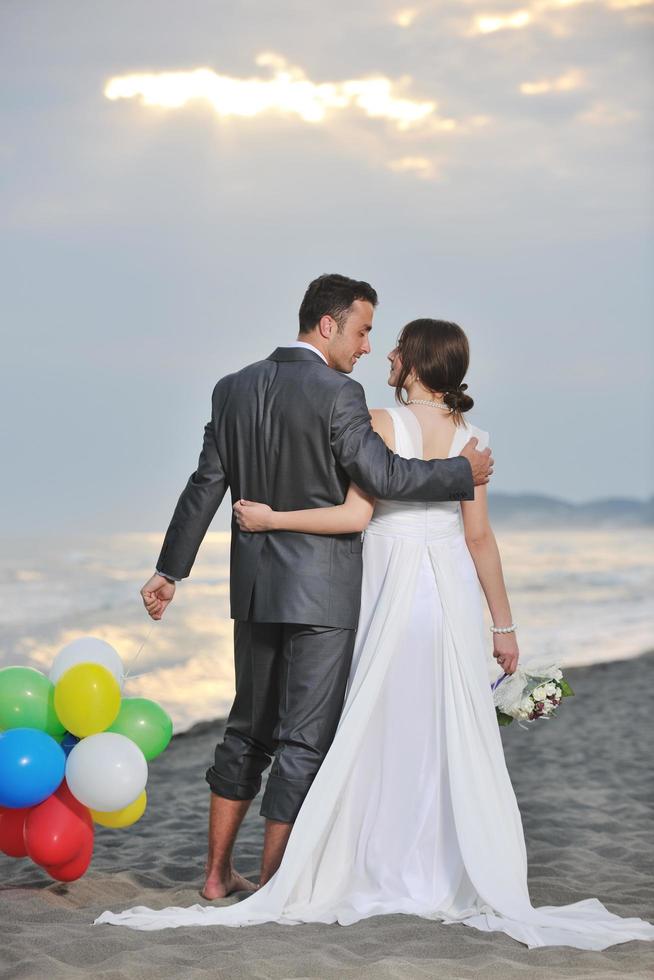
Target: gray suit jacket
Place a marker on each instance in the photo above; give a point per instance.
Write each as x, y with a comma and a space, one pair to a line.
292, 432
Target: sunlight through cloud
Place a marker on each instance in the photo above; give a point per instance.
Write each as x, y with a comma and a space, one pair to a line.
488, 25
405, 17
288, 91
628, 4
419, 166
607, 114
564, 83
538, 9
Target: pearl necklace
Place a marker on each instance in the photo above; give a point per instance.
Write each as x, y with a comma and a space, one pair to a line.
427, 401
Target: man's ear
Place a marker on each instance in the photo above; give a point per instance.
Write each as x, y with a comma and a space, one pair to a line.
326, 326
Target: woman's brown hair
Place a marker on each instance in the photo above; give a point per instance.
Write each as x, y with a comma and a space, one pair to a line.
438, 354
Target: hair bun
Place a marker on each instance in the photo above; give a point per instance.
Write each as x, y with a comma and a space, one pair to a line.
457, 400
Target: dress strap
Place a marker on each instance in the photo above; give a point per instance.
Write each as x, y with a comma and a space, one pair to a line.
414, 429
408, 442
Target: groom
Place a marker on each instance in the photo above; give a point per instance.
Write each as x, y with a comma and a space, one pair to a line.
291, 431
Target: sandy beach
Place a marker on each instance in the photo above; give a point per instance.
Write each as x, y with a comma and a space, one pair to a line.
586, 794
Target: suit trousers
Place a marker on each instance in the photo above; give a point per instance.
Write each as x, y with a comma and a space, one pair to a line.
290, 687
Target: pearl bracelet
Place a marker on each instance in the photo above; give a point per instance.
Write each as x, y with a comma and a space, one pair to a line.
504, 629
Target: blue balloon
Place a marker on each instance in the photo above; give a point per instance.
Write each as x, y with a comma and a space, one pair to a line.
68, 742
32, 767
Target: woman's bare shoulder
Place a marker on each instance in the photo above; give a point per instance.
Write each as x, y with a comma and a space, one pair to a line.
382, 423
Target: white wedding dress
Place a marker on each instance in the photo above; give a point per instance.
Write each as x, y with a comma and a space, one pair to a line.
413, 809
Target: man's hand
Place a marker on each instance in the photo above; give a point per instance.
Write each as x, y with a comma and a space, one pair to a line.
481, 462
156, 594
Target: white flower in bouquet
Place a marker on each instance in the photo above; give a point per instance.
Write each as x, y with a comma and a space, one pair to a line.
531, 692
526, 707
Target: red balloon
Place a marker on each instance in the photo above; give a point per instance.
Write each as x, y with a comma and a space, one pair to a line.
58, 829
74, 869
11, 831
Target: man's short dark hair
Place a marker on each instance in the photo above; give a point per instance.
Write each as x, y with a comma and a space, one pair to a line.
332, 295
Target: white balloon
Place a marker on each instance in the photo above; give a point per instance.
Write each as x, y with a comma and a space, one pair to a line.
87, 650
106, 771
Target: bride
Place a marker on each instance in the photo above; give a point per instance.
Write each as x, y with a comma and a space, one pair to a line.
413, 809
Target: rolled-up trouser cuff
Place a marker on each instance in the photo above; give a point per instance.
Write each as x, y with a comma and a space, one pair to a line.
283, 797
231, 790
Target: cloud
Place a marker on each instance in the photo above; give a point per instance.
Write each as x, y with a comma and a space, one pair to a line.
405, 17
420, 166
136, 222
485, 24
538, 11
288, 91
570, 80
607, 114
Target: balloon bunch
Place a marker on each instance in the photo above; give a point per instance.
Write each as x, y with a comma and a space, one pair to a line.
72, 753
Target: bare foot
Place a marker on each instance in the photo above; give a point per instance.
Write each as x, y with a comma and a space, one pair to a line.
218, 887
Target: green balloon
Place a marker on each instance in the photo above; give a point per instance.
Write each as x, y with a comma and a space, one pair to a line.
146, 723
27, 701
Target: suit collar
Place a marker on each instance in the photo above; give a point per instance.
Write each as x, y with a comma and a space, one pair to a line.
295, 354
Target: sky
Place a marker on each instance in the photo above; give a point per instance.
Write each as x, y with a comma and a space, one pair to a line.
173, 176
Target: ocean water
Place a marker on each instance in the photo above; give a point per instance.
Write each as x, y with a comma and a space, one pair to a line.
579, 597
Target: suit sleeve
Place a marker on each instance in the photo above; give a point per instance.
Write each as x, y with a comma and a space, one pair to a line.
368, 461
197, 504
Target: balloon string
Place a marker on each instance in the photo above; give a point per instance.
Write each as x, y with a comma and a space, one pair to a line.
138, 652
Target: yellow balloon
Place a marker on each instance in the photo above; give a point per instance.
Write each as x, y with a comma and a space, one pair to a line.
125, 817
87, 699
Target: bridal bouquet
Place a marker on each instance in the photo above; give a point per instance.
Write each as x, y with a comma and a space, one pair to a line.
532, 692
